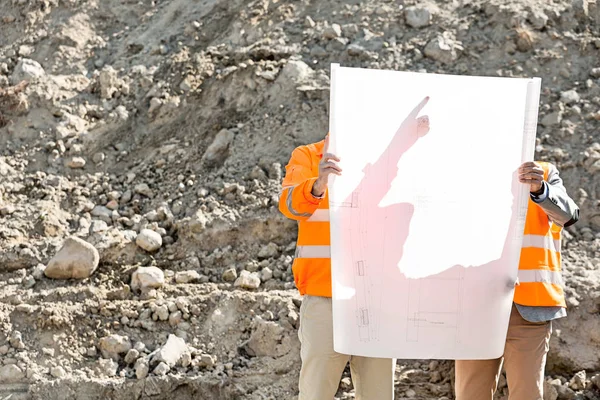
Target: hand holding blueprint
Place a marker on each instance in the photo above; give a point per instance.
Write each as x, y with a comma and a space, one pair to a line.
427, 218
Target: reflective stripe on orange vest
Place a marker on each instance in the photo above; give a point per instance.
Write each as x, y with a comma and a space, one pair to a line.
541, 242
313, 252
538, 275
288, 201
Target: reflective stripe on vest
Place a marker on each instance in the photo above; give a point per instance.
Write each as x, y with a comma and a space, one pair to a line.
541, 242
288, 202
540, 275
320, 215
313, 252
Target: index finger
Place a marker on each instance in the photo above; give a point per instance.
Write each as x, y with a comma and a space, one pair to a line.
530, 164
422, 104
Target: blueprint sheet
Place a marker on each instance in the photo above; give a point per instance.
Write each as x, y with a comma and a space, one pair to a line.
427, 218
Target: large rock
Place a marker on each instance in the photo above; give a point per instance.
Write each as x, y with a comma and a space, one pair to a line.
27, 70
417, 17
218, 151
11, 374
149, 240
113, 345
146, 278
171, 352
77, 259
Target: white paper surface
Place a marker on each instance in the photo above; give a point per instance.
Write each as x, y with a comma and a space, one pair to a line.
426, 231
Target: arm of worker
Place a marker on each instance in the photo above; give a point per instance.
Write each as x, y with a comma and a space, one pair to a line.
296, 200
302, 192
555, 201
553, 198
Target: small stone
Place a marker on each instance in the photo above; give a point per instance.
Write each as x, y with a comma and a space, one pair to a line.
77, 259
417, 17
187, 276
141, 368
218, 150
76, 163
107, 367
98, 158
145, 278
248, 280
11, 374
550, 392
58, 372
149, 240
186, 359
143, 189
113, 345
27, 70
98, 226
552, 119
269, 251
332, 32
206, 360
4, 350
346, 383
16, 340
229, 275
266, 274
175, 318
565, 392
595, 72
171, 351
443, 49
101, 212
131, 356
112, 205
594, 379
538, 19
29, 282
7, 210
38, 271
411, 393
25, 50
570, 96
578, 382
309, 22
161, 369
162, 312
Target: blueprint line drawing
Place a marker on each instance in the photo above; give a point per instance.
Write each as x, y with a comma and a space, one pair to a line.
421, 314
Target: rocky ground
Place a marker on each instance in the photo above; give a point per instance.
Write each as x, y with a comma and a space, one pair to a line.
142, 144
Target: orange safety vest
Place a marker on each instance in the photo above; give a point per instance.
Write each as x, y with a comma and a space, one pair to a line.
312, 263
540, 277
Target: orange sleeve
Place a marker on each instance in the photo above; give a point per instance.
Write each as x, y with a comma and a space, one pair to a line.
296, 200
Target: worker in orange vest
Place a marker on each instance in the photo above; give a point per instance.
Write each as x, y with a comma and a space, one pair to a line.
304, 198
539, 298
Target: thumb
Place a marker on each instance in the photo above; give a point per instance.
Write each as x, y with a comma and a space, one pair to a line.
326, 146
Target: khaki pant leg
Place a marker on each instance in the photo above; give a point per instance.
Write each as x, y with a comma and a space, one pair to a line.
477, 379
527, 344
322, 367
373, 378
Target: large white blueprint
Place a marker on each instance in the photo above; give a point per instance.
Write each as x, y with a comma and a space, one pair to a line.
426, 225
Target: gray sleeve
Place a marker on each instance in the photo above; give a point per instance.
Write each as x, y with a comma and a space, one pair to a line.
561, 209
